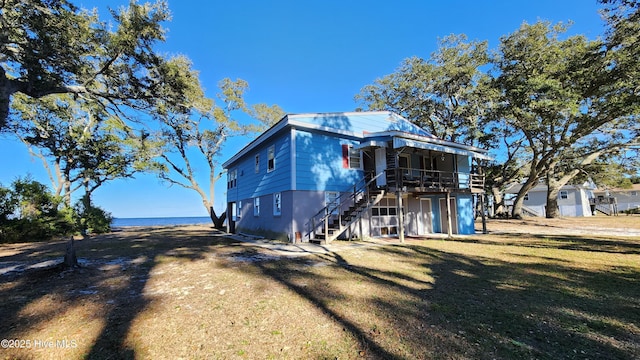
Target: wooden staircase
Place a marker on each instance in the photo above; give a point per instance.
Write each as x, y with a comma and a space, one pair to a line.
335, 219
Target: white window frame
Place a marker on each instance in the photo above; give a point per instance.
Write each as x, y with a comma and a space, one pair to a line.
355, 154
256, 206
563, 195
239, 209
277, 204
232, 179
271, 158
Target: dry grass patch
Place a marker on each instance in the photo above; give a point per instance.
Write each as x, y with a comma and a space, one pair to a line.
189, 292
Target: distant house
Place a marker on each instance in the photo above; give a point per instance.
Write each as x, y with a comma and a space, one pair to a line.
573, 200
317, 177
625, 199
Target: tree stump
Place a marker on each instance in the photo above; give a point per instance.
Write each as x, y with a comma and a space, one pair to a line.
70, 258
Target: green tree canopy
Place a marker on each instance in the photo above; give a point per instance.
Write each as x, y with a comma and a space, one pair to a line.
443, 94
53, 47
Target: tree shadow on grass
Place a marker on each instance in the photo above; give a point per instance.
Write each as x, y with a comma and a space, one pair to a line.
474, 306
103, 297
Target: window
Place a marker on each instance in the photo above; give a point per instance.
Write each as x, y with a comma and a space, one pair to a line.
563, 194
386, 207
384, 220
239, 208
277, 204
633, 193
257, 163
351, 157
256, 206
232, 177
271, 158
234, 211
526, 196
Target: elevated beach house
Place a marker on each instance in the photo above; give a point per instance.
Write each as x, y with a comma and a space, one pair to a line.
318, 177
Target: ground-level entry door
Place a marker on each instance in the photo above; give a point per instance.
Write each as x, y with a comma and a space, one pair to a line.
443, 216
425, 225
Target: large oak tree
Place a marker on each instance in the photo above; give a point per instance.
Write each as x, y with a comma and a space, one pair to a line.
53, 47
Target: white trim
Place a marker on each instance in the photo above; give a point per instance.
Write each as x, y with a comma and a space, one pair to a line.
257, 141
421, 224
293, 157
309, 126
277, 211
399, 142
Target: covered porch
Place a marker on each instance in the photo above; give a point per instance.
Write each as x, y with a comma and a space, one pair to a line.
433, 182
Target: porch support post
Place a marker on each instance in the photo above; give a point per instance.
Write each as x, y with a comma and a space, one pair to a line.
400, 215
484, 217
449, 227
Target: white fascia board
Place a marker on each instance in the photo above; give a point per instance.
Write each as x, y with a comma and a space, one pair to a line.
289, 120
432, 140
257, 141
307, 126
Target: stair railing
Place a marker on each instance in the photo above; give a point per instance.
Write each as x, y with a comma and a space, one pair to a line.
344, 200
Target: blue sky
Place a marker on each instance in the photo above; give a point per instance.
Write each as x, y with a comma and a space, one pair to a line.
305, 56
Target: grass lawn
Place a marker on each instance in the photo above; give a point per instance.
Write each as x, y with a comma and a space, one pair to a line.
188, 292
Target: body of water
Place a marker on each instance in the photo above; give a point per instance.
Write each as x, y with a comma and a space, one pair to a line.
162, 221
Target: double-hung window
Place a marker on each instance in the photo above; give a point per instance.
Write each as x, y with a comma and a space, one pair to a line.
351, 157
277, 204
232, 178
271, 158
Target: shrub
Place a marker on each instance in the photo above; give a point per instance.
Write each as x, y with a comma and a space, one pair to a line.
90, 218
29, 212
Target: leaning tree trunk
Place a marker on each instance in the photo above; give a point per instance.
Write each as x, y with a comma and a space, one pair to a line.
218, 221
516, 213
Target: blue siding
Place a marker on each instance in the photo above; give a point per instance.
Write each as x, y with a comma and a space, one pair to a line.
464, 169
465, 214
319, 163
251, 184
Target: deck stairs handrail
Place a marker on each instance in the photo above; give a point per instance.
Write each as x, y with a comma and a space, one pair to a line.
529, 211
333, 219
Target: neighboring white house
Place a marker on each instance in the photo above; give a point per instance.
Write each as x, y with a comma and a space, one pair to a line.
573, 200
626, 199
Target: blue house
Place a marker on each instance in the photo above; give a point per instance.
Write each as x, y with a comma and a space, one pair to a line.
318, 177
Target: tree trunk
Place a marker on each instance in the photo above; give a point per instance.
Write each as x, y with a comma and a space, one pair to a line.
218, 222
499, 209
557, 179
516, 213
553, 188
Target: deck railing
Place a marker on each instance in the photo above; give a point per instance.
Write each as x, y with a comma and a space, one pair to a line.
434, 180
